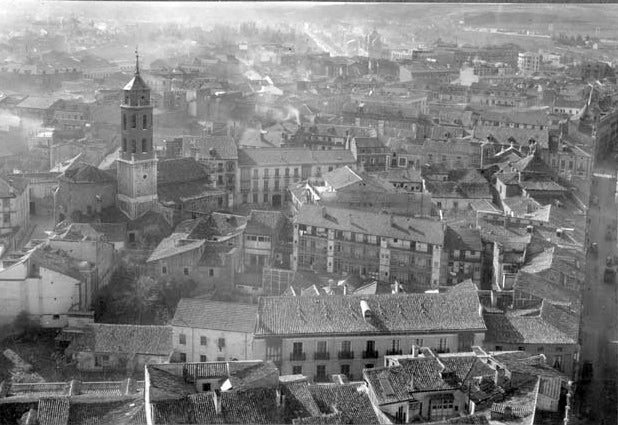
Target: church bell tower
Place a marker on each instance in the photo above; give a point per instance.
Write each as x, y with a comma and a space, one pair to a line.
137, 165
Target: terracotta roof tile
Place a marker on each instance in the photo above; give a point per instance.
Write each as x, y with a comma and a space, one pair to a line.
251, 406
290, 156
142, 339
397, 313
350, 400
180, 170
53, 411
405, 228
207, 314
86, 173
507, 328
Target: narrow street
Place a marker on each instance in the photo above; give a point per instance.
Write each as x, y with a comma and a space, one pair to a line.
597, 384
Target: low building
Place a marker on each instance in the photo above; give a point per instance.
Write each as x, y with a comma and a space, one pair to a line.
128, 348
453, 153
267, 241
529, 62
386, 247
461, 189
219, 154
320, 336
206, 330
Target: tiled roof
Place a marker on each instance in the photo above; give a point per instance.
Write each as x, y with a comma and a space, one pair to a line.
58, 261
175, 244
213, 226
385, 225
251, 406
401, 175
112, 338
191, 409
542, 186
207, 314
527, 207
290, 156
369, 142
350, 400
86, 173
182, 191
252, 374
397, 313
35, 102
180, 170
341, 177
215, 253
53, 411
452, 147
264, 222
563, 318
521, 135
216, 147
524, 363
449, 189
511, 329
535, 285
462, 238
165, 385
299, 401
535, 117
532, 164
114, 232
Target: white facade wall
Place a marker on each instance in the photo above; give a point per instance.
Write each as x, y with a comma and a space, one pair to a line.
238, 345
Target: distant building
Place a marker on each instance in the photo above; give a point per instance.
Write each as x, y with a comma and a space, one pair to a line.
529, 62
463, 252
14, 204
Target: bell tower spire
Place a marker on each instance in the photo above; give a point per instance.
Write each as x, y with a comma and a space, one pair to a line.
136, 61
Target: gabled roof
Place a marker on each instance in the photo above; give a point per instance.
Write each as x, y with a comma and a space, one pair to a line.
206, 314
264, 222
396, 313
36, 102
180, 171
215, 147
369, 142
175, 244
462, 238
341, 177
512, 329
12, 186
351, 401
213, 226
86, 173
370, 223
138, 339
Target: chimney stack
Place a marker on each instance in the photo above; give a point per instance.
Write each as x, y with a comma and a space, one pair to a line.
217, 400
74, 387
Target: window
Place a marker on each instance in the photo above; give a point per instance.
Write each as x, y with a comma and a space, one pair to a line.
297, 370
265, 172
220, 359
498, 348
163, 269
203, 360
255, 198
203, 340
183, 357
124, 122
145, 122
442, 344
205, 385
211, 272
56, 317
124, 144
297, 347
346, 346
320, 371
186, 271
255, 174
276, 172
540, 349
295, 172
221, 343
133, 121
182, 339
395, 345
133, 146
321, 347
418, 342
345, 370
369, 366
521, 348
287, 172
266, 198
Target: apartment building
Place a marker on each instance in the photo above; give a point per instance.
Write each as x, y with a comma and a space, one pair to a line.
320, 336
383, 246
265, 174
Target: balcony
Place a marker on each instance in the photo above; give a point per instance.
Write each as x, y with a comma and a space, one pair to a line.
394, 352
298, 357
346, 355
370, 354
321, 355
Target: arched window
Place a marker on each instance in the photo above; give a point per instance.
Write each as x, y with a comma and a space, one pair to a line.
124, 144
143, 145
124, 122
134, 121
145, 122
133, 146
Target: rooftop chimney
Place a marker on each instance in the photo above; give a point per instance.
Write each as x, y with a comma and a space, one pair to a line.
74, 387
367, 313
217, 400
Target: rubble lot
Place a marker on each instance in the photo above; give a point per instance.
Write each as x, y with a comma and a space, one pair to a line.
40, 362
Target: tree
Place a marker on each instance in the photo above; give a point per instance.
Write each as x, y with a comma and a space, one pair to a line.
140, 296
25, 326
